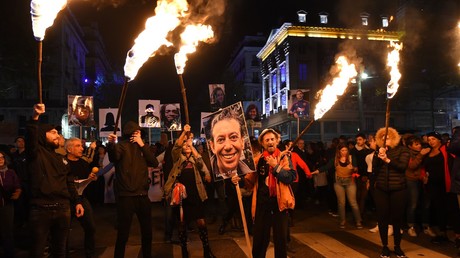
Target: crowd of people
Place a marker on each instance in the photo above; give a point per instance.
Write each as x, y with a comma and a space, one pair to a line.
44, 183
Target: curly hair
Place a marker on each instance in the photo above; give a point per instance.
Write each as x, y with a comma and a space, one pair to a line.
232, 112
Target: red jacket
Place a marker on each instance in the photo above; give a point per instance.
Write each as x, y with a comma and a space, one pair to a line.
298, 161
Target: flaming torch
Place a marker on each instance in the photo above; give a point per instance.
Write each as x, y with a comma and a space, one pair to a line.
157, 28
191, 36
329, 95
43, 13
393, 84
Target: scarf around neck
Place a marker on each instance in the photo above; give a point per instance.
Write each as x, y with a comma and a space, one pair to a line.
271, 175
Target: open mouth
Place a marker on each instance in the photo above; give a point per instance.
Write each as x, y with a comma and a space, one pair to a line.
228, 156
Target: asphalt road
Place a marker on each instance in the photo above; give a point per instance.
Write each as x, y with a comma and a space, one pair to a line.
315, 234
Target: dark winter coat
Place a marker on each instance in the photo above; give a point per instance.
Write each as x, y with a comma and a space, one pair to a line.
391, 176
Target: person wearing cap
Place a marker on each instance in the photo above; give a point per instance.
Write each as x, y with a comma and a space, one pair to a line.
437, 166
272, 196
131, 157
52, 189
149, 119
390, 189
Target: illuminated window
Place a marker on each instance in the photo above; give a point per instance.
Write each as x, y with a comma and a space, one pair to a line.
323, 17
283, 76
302, 16
384, 21
274, 84
302, 72
364, 19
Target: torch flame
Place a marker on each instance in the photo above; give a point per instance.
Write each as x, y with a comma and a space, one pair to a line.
191, 36
339, 84
393, 62
44, 13
157, 27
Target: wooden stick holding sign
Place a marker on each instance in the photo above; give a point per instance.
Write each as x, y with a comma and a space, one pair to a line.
243, 219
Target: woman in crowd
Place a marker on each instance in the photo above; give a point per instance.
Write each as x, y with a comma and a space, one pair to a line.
345, 172
10, 191
437, 166
187, 170
390, 191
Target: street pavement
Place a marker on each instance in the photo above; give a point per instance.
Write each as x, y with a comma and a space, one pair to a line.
315, 233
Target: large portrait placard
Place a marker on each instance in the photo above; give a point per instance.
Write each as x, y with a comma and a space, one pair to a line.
228, 139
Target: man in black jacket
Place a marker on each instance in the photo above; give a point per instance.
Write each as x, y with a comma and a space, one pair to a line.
132, 157
80, 170
52, 188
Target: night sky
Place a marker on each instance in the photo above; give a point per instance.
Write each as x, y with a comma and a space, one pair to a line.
120, 22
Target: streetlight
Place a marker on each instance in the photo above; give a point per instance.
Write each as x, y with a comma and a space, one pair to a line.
363, 76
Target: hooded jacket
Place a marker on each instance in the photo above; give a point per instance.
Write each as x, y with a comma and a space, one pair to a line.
391, 176
50, 180
131, 163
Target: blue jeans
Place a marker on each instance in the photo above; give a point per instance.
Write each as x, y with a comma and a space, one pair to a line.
413, 190
53, 220
345, 186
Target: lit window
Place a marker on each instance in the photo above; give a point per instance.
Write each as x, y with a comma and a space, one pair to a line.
364, 18
302, 16
302, 72
384, 21
323, 18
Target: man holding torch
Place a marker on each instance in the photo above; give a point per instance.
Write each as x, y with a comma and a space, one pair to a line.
52, 189
132, 157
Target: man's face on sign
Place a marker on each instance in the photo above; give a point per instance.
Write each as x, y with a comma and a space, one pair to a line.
82, 113
299, 95
227, 144
220, 95
171, 112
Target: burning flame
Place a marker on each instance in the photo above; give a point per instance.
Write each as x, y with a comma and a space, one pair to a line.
44, 13
167, 18
191, 36
393, 62
339, 84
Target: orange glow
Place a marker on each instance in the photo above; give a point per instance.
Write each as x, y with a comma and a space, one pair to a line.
192, 35
330, 94
393, 62
157, 28
44, 12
